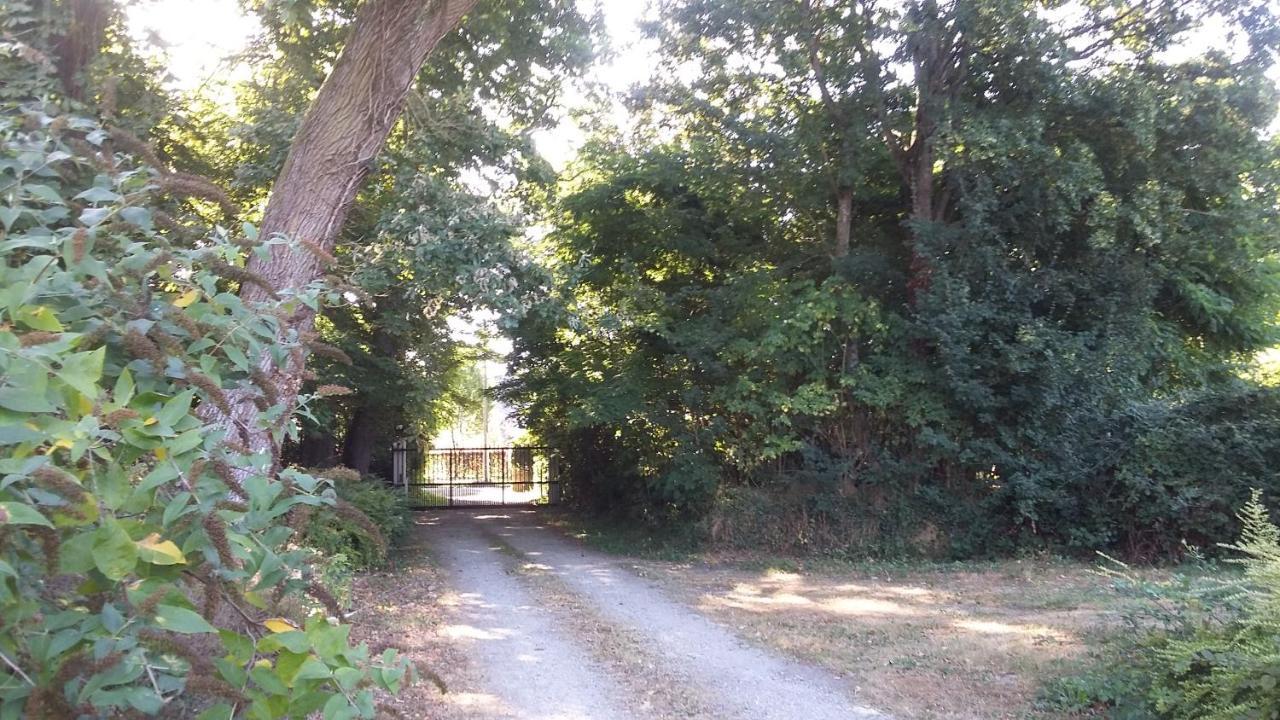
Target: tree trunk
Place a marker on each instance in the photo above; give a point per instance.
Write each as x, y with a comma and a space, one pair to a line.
357, 448
86, 32
341, 135
844, 221
316, 449
933, 71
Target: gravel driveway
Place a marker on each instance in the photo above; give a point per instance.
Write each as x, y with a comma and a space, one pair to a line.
554, 631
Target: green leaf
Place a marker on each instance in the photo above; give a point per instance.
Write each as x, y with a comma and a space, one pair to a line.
239, 647
83, 370
39, 317
98, 195
124, 388
348, 677
287, 665
328, 640
181, 620
313, 669
10, 215
44, 193
13, 513
139, 216
76, 556
114, 553
267, 679
221, 711
176, 408
338, 709
95, 216
186, 442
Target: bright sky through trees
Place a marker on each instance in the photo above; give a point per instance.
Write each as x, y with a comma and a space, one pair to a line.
199, 36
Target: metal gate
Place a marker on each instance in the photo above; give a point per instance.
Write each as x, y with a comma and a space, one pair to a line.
476, 477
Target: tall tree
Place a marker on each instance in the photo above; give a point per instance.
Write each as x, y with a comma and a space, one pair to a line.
1058, 237
338, 140
423, 242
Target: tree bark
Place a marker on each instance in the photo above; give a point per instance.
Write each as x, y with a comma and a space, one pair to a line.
86, 32
341, 135
357, 447
844, 221
316, 449
938, 58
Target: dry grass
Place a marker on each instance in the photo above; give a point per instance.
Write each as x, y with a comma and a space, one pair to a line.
918, 643
405, 608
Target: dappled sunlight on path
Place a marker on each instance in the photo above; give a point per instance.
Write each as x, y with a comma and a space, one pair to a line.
944, 643
733, 679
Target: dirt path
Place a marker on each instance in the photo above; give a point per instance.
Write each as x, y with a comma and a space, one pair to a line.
553, 631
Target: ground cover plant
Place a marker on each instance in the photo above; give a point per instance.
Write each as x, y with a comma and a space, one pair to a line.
1200, 645
365, 537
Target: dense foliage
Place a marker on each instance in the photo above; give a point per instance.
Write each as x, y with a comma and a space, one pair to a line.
999, 302
147, 562
363, 539
1198, 648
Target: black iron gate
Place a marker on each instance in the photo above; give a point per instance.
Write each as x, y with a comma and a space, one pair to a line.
476, 477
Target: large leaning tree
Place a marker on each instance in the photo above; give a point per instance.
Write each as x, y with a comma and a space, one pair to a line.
434, 230
342, 133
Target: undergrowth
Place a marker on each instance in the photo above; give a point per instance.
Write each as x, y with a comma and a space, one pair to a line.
1202, 645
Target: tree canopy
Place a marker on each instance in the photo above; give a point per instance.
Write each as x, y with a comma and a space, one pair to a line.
922, 274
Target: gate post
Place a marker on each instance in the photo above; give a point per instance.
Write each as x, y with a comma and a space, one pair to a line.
400, 461
553, 478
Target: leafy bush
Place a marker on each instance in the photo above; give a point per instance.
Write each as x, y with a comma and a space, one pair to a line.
365, 536
145, 556
1187, 465
1198, 648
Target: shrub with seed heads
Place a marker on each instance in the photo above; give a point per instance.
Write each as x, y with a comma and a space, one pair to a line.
331, 391
122, 501
187, 185
329, 351
38, 337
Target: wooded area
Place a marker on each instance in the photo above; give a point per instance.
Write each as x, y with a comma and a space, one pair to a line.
941, 280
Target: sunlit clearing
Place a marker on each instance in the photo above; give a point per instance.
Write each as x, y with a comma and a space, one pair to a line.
992, 627
752, 597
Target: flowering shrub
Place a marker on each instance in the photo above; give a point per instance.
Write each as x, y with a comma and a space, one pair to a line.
146, 563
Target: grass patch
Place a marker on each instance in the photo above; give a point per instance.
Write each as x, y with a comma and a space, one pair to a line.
921, 639
628, 538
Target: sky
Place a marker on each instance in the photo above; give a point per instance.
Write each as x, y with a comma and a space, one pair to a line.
197, 37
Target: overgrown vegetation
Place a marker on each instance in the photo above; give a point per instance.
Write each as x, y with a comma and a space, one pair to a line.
1198, 646
147, 562
363, 538
967, 279
159, 557
1005, 303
